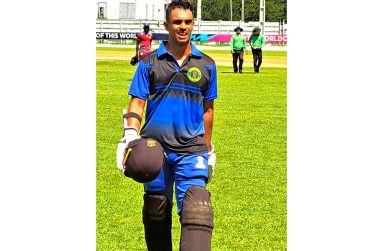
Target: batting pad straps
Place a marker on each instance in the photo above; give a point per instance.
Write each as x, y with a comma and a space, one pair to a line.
132, 115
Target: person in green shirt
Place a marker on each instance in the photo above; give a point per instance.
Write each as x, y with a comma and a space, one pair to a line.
237, 45
257, 41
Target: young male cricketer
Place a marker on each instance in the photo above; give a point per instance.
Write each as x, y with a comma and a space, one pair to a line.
179, 85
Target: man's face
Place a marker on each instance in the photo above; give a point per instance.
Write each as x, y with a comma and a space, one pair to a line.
146, 29
180, 26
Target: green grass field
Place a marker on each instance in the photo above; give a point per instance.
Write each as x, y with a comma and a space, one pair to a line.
249, 189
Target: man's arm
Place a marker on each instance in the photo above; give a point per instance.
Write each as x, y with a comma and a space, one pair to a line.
208, 118
263, 40
136, 106
132, 124
250, 41
231, 43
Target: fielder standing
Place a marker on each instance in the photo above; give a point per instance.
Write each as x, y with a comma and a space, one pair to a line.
257, 41
144, 42
178, 83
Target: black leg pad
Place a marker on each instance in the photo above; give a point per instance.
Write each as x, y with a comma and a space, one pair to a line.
196, 220
157, 219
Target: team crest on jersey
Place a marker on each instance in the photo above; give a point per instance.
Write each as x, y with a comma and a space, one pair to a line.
194, 74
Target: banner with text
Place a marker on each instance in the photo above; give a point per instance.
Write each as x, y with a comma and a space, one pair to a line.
224, 38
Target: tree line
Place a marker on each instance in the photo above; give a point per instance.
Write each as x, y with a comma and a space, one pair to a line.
276, 10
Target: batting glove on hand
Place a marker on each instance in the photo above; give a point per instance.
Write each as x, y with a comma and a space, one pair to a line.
130, 134
212, 157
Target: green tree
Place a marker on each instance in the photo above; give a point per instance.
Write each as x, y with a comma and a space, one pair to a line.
276, 10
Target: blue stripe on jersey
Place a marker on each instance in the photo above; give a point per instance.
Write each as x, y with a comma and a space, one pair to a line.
182, 121
187, 86
184, 89
177, 86
162, 86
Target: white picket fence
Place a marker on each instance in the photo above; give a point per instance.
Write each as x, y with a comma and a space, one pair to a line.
208, 27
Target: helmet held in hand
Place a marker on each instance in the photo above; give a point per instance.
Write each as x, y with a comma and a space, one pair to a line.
143, 160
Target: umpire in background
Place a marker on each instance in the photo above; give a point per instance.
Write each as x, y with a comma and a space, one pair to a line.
237, 45
257, 41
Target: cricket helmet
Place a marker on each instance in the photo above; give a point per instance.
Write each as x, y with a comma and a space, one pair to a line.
146, 25
143, 160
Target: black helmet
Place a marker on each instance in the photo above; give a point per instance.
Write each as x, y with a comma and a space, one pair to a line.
144, 160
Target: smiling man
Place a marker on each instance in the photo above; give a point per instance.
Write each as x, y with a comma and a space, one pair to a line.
179, 84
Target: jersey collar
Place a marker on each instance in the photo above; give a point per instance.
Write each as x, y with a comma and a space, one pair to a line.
162, 50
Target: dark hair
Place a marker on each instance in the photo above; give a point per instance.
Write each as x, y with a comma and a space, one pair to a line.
178, 4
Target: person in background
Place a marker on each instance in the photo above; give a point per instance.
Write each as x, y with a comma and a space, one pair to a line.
144, 42
257, 41
176, 84
237, 45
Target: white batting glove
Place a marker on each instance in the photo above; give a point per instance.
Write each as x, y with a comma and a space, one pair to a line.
130, 134
212, 157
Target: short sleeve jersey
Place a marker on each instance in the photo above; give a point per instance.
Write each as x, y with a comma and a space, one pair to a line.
145, 41
175, 96
257, 41
237, 42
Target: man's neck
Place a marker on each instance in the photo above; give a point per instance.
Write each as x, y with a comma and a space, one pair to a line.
179, 51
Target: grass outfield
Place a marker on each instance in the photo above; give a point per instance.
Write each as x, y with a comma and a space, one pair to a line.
222, 57
249, 187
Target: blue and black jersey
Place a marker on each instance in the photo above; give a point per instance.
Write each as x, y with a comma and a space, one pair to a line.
175, 96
